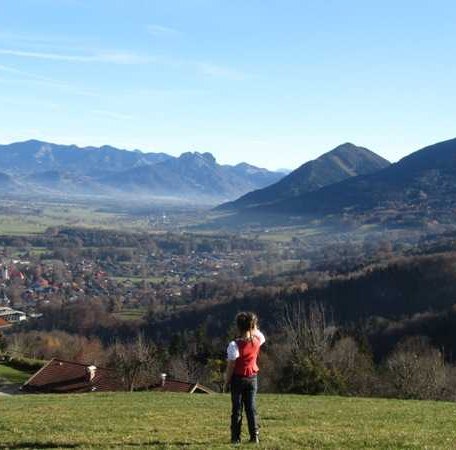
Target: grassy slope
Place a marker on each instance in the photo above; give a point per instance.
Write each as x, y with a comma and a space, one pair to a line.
10, 375
198, 421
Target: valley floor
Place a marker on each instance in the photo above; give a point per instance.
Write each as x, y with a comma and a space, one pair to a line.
171, 421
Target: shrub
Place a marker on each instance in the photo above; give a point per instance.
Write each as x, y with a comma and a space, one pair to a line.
25, 364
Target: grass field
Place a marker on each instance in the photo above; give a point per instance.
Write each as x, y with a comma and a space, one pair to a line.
172, 421
130, 314
10, 375
72, 215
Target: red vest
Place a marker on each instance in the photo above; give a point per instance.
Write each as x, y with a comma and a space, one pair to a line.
246, 364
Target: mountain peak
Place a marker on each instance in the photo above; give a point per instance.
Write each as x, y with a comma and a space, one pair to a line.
345, 161
347, 147
421, 186
197, 156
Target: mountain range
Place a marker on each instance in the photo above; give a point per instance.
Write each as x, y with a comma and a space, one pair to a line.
42, 167
421, 186
345, 161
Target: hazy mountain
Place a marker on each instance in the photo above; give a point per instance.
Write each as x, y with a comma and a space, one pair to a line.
345, 161
41, 167
37, 156
5, 180
190, 175
423, 182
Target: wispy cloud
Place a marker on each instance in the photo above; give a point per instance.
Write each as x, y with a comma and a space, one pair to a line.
216, 71
21, 76
112, 114
108, 57
26, 103
23, 73
33, 38
148, 92
160, 30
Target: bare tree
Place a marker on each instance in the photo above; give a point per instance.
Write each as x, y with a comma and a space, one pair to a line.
307, 330
416, 369
308, 340
354, 366
135, 362
186, 368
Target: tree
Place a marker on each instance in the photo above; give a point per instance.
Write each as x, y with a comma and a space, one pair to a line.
308, 339
416, 369
307, 330
186, 368
355, 367
136, 362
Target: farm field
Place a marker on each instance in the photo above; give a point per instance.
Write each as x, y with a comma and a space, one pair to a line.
27, 217
17, 223
171, 421
130, 314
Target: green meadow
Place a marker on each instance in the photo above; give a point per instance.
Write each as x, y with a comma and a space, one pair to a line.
10, 375
176, 421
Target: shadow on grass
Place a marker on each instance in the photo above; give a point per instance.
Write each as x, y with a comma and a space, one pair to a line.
166, 443
39, 445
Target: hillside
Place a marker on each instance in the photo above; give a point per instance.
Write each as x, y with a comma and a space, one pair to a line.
419, 189
345, 161
424, 178
44, 168
201, 422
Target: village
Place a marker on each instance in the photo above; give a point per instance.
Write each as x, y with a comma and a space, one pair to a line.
131, 281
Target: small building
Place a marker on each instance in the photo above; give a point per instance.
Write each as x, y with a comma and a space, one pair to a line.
11, 315
169, 385
66, 377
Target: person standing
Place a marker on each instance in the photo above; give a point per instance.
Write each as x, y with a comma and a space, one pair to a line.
241, 375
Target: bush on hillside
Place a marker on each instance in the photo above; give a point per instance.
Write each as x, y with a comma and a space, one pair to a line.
417, 370
25, 364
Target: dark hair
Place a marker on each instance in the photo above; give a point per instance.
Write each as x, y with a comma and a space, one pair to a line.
246, 321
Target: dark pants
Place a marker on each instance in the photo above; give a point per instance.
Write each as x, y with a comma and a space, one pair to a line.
243, 392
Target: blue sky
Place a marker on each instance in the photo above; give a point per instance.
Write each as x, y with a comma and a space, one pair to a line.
273, 83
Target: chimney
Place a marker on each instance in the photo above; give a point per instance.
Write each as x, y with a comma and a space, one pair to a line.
91, 372
163, 379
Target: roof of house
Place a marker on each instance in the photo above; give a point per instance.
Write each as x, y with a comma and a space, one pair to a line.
59, 376
6, 311
4, 323
180, 386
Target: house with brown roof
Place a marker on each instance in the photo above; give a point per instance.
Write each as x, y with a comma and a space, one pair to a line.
4, 323
66, 377
11, 315
169, 385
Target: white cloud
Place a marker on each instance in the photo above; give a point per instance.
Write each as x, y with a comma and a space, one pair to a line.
14, 71
113, 57
22, 76
160, 30
214, 70
112, 114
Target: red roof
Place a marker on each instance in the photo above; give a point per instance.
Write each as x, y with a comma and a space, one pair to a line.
59, 376
180, 386
4, 323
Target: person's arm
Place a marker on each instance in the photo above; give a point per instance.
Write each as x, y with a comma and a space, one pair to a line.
259, 335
